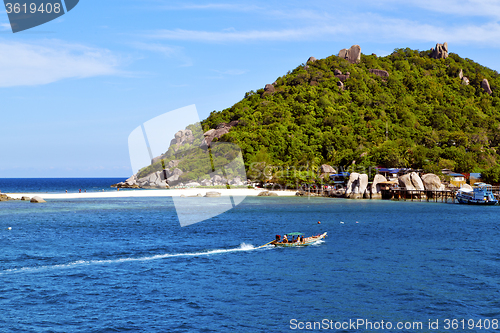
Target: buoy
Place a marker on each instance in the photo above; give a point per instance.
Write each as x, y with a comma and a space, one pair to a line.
319, 222
341, 222
9, 228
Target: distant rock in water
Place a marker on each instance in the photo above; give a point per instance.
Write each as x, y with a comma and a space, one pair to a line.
486, 86
353, 54
37, 199
267, 194
379, 72
212, 194
440, 52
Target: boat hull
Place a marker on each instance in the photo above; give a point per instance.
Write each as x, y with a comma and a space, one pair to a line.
468, 201
307, 241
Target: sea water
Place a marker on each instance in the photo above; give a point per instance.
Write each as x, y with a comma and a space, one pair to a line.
126, 265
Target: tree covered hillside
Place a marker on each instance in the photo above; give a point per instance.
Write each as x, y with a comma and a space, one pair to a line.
423, 115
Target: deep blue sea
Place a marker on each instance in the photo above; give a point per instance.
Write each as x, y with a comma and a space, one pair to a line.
126, 265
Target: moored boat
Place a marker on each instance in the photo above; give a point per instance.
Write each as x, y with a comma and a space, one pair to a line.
481, 194
294, 239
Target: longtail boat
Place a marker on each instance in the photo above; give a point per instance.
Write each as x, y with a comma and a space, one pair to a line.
299, 240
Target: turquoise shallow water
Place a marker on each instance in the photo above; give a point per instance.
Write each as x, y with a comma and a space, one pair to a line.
118, 265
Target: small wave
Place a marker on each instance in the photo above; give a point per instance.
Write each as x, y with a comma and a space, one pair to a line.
242, 247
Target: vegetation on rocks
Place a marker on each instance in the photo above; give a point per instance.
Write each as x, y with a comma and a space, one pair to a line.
422, 115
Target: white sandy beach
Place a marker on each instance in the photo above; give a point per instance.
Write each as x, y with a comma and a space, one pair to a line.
148, 193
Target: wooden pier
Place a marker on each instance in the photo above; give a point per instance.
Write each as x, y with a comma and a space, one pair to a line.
446, 196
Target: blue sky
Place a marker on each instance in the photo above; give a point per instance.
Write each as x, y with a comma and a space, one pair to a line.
72, 90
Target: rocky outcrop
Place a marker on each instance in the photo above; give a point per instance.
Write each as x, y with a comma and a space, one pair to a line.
461, 74
431, 182
212, 194
440, 52
465, 81
342, 77
221, 129
356, 186
417, 181
326, 169
269, 88
267, 194
375, 190
379, 72
311, 60
154, 180
5, 197
182, 137
405, 182
353, 54
25, 199
486, 86
37, 199
340, 85
337, 72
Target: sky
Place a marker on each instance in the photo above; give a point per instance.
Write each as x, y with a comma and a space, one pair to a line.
72, 90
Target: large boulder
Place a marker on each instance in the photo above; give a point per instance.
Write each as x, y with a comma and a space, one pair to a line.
311, 60
465, 81
486, 86
431, 182
356, 186
37, 199
379, 72
353, 54
267, 194
182, 137
417, 181
325, 168
222, 128
212, 194
375, 190
440, 52
461, 74
405, 182
269, 88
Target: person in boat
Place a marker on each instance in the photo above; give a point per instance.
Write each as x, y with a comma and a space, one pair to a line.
285, 239
278, 238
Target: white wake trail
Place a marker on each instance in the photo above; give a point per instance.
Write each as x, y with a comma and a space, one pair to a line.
242, 248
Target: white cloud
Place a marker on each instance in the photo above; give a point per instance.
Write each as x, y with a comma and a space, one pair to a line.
368, 27
27, 64
166, 50
238, 36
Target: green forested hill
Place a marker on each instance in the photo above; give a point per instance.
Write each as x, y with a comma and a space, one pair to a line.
421, 116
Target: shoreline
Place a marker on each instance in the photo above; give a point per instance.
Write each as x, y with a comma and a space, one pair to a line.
149, 193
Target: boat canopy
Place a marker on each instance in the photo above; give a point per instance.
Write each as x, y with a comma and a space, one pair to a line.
294, 233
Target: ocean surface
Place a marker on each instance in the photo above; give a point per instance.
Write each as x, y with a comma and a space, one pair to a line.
126, 265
